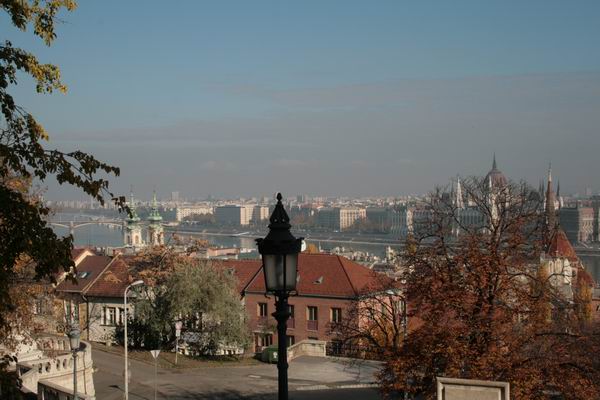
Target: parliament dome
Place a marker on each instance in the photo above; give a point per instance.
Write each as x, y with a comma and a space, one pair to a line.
496, 176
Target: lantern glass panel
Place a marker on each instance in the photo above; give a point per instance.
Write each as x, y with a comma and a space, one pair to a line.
74, 338
274, 271
291, 264
273, 266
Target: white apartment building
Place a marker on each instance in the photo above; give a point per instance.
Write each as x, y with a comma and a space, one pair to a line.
260, 213
241, 214
338, 218
182, 212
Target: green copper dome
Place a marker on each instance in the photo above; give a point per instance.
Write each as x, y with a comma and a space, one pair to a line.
133, 217
154, 216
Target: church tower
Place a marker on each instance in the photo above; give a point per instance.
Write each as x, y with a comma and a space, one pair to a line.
156, 235
550, 207
458, 195
132, 232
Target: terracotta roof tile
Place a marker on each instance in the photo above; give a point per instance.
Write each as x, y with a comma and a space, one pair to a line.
561, 247
321, 275
244, 270
112, 282
87, 271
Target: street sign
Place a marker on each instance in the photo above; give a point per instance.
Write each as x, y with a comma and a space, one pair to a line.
155, 353
178, 326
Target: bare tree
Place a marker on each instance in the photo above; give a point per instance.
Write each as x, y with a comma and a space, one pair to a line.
480, 305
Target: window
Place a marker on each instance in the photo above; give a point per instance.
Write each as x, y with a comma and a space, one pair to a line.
291, 322
121, 315
312, 316
83, 275
336, 315
311, 313
76, 312
262, 309
262, 340
291, 340
111, 315
38, 307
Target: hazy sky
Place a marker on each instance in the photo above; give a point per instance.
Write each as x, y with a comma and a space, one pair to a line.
334, 98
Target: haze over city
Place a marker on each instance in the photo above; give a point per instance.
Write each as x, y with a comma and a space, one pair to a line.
322, 99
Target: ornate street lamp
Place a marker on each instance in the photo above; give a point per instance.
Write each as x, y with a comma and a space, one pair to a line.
279, 251
74, 341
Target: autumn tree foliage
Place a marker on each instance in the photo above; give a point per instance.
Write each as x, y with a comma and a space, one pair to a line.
31, 254
480, 306
25, 156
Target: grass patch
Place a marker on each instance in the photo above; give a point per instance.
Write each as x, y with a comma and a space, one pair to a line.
166, 359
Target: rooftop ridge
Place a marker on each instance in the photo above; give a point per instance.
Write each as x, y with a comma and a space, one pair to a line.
89, 285
341, 262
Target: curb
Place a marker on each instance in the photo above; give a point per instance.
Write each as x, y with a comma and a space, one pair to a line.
172, 366
348, 386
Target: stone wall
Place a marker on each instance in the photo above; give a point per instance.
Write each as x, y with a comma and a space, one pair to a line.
471, 389
55, 367
313, 348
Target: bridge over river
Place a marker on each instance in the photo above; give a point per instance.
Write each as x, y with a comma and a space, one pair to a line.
72, 225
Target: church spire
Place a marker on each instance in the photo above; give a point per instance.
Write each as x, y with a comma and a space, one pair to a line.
458, 199
133, 217
550, 208
494, 165
154, 216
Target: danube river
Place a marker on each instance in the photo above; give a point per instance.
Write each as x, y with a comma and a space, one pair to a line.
103, 236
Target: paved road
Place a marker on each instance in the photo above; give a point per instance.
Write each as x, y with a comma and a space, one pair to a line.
310, 378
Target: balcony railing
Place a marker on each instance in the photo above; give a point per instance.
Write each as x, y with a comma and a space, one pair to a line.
312, 325
291, 323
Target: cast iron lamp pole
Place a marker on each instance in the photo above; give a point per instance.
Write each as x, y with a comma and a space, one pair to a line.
279, 251
136, 283
74, 341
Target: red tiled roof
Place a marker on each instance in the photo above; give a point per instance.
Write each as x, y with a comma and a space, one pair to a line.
112, 282
561, 247
320, 275
75, 253
88, 270
244, 270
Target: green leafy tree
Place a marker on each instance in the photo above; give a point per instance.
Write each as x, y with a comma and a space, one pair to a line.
200, 293
25, 155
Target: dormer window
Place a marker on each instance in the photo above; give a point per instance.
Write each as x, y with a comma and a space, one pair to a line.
319, 280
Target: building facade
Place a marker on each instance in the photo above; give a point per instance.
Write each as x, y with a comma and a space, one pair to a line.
328, 285
156, 236
182, 212
132, 229
579, 223
96, 301
340, 218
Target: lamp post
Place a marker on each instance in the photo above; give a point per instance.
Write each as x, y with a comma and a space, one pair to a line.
279, 251
74, 341
136, 283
